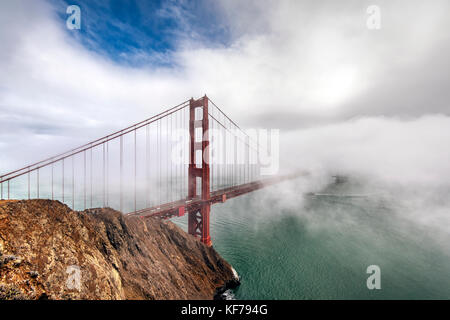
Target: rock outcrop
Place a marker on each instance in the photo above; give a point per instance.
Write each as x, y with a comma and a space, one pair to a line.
48, 251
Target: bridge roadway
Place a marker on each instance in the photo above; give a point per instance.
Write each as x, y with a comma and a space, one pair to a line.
180, 207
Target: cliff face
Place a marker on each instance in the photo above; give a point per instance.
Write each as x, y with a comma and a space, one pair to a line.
49, 251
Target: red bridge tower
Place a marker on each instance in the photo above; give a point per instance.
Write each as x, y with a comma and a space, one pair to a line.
198, 218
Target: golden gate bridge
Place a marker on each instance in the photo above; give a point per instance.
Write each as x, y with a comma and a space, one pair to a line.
182, 160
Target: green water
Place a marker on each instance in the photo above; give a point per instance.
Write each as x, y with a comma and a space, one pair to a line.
321, 247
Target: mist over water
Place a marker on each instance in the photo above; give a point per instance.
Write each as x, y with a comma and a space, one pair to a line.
319, 246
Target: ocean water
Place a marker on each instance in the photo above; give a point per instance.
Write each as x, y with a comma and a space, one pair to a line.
318, 246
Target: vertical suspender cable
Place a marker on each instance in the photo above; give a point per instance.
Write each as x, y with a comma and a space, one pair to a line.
135, 170
63, 180
167, 157
147, 178
73, 182
107, 173
121, 173
184, 155
90, 171
104, 175
212, 144
28, 185
52, 181
85, 174
84, 180
37, 172
159, 160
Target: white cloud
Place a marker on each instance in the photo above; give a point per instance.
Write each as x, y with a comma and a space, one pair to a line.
286, 58
348, 100
391, 150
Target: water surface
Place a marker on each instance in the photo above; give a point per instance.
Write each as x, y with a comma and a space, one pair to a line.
321, 247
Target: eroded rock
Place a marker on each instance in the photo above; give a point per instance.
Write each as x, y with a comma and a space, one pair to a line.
48, 251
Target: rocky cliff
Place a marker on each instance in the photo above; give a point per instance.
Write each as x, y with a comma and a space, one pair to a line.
48, 251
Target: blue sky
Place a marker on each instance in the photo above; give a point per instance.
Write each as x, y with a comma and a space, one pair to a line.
137, 32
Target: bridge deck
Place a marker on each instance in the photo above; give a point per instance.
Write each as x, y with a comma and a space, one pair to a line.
180, 207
